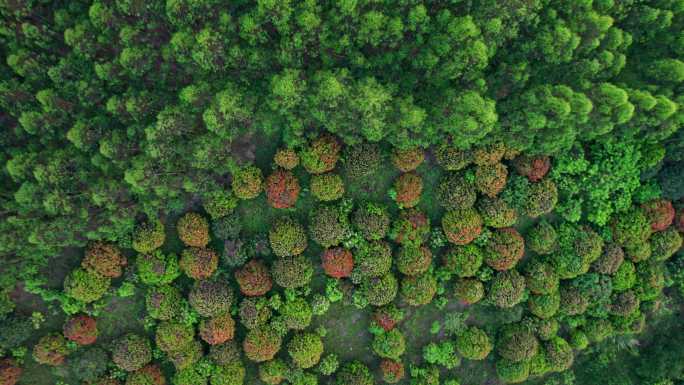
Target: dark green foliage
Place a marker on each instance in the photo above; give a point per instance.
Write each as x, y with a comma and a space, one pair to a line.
328, 225
371, 220
507, 289
473, 344
292, 272
464, 261
380, 290
89, 364
542, 239
354, 373
157, 268
390, 344
418, 290
211, 297
456, 192
516, 344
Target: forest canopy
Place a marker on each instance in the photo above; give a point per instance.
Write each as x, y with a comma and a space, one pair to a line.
240, 174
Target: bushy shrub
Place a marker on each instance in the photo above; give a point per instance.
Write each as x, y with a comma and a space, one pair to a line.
354, 373
232, 373
219, 203
579, 247
149, 375
292, 272
247, 182
464, 261
631, 227
227, 227
487, 154
104, 259
473, 344
173, 336
15, 331
419, 290
541, 198
469, 290
328, 365
392, 371
286, 158
194, 375
610, 260
517, 344
198, 263
542, 238
638, 252
573, 301
623, 304
407, 189
327, 187
10, 371
389, 344
225, 353
254, 279
490, 179
273, 372
85, 286
371, 220
305, 349
81, 329
452, 158
545, 328
625, 276
218, 329
261, 344
462, 226
337, 262
532, 167
679, 220
544, 305
579, 340
282, 189
163, 302
254, 312
328, 226
659, 213
664, 244
211, 297
105, 381
540, 277
148, 236
511, 372
411, 226
380, 291
455, 192
507, 289
598, 329
559, 354
287, 237
296, 313
407, 159
650, 280
193, 230
321, 154
51, 350
157, 268
373, 259
131, 352
497, 212
505, 247
413, 260
362, 160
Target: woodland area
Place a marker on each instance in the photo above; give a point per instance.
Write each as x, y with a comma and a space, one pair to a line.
348, 192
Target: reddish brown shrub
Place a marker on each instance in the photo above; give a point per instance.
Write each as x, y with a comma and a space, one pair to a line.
408, 188
505, 247
149, 375
254, 279
286, 158
412, 226
386, 317
321, 154
489, 154
659, 213
104, 259
532, 167
51, 350
261, 344
408, 159
462, 226
392, 371
198, 263
81, 329
193, 230
10, 372
490, 179
337, 262
217, 330
282, 189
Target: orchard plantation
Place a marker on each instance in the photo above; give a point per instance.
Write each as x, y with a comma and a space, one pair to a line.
341, 192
